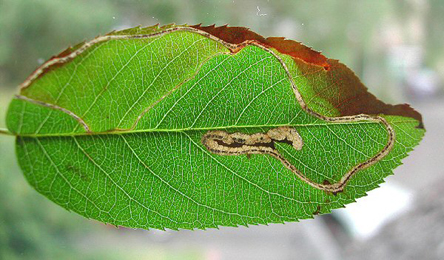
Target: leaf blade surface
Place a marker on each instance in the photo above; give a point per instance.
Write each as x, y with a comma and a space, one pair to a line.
114, 129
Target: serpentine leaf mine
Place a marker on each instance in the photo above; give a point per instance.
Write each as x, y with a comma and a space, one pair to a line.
195, 127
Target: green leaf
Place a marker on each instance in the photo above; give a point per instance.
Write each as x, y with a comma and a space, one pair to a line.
199, 127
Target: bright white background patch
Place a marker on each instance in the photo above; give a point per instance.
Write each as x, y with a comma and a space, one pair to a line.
365, 218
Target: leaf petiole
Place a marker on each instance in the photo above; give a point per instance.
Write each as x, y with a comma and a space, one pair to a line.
4, 131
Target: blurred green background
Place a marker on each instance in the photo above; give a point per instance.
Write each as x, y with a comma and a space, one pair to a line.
394, 46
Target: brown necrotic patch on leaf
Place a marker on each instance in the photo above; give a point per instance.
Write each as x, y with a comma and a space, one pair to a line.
239, 35
343, 90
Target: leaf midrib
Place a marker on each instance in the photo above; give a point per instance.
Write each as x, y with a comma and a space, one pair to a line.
181, 130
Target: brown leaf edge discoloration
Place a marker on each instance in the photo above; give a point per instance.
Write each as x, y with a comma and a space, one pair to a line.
238, 35
353, 97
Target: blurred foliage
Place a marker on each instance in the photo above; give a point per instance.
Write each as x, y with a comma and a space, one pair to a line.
30, 28
434, 41
359, 33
